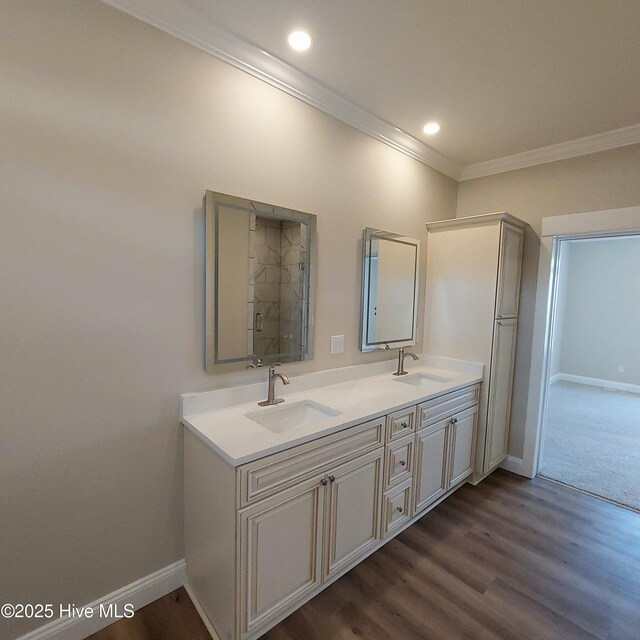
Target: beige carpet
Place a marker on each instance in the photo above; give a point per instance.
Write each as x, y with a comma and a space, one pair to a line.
592, 441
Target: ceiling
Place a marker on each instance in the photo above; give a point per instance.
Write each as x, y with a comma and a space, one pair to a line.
501, 77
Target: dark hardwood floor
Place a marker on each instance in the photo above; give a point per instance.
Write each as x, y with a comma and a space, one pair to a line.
509, 559
172, 617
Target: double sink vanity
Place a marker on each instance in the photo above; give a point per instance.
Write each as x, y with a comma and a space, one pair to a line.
291, 481
282, 500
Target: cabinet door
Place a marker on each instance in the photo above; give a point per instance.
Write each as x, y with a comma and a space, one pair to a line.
352, 520
463, 440
509, 270
500, 385
280, 552
431, 470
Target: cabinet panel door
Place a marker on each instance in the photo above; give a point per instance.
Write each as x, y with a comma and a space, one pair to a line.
352, 521
463, 441
509, 270
280, 547
431, 464
500, 384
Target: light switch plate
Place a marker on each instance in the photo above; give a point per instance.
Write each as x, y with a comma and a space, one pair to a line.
337, 344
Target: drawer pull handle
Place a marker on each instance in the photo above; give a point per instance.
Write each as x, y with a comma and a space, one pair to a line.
399, 509
324, 482
332, 478
403, 462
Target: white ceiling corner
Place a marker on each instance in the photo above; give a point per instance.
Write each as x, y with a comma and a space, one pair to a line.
561, 151
197, 23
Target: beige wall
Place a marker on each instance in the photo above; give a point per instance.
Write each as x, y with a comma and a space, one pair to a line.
598, 322
110, 132
605, 180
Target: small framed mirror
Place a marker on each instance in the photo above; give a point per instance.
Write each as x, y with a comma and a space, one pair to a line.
390, 273
259, 302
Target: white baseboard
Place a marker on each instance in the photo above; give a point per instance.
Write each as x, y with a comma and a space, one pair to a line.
597, 382
139, 594
513, 464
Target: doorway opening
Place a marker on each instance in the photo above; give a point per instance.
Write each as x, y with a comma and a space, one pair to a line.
591, 427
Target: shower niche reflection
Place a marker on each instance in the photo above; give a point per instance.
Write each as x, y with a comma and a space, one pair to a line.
259, 299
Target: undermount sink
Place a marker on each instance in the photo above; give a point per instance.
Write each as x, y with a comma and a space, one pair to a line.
305, 413
422, 379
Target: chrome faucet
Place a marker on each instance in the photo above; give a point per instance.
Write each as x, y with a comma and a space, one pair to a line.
401, 356
271, 399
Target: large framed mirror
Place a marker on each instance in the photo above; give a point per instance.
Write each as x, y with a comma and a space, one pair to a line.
390, 274
259, 298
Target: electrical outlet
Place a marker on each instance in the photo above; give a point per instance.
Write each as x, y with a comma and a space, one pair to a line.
620, 368
337, 344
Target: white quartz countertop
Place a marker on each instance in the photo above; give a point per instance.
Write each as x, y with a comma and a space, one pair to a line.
239, 439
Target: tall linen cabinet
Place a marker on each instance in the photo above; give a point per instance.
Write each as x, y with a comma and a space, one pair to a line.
474, 267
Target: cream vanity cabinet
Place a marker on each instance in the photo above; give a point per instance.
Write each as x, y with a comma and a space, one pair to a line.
264, 537
445, 444
293, 541
474, 269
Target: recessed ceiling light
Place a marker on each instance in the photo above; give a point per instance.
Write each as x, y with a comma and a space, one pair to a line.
431, 127
299, 40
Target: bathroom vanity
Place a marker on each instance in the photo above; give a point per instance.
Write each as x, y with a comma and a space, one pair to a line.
281, 501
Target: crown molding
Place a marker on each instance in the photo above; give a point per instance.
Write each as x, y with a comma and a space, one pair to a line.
178, 19
482, 219
182, 21
561, 151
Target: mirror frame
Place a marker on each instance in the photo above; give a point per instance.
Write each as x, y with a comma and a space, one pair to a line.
212, 200
367, 237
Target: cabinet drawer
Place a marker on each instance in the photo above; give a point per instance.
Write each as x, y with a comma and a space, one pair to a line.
399, 461
264, 477
445, 406
401, 423
396, 509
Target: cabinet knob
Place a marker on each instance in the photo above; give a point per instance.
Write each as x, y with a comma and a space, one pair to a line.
400, 509
403, 462
404, 425
332, 478
324, 482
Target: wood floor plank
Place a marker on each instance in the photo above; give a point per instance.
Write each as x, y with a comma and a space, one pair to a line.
510, 559
172, 617
525, 559
450, 555
546, 622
